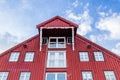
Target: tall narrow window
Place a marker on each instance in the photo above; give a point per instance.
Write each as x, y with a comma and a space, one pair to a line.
29, 57
109, 75
56, 76
4, 75
87, 75
25, 76
14, 56
98, 56
56, 59
69, 40
57, 42
83, 56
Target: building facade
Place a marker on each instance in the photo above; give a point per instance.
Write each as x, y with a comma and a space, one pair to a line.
57, 52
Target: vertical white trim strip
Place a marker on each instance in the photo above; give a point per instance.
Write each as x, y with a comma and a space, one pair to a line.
73, 39
40, 38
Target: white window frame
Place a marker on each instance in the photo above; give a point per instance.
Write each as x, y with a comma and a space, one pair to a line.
98, 56
110, 75
87, 75
56, 74
57, 43
25, 75
4, 75
56, 59
14, 56
29, 56
84, 56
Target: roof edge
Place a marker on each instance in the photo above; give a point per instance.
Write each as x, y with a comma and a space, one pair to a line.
100, 47
18, 45
57, 17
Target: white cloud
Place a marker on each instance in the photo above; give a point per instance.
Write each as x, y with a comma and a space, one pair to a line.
117, 49
83, 19
110, 24
98, 37
75, 4
13, 23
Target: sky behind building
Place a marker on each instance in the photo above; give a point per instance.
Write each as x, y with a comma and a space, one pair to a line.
98, 20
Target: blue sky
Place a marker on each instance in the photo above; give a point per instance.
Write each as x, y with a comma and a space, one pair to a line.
98, 20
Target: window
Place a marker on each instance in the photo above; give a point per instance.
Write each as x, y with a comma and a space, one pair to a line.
109, 75
56, 59
29, 56
56, 76
25, 76
44, 40
4, 75
98, 56
69, 40
83, 56
57, 42
14, 56
87, 75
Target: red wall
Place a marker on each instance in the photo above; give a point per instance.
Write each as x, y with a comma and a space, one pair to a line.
74, 66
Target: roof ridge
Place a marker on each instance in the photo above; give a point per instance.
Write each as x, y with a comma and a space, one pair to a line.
57, 17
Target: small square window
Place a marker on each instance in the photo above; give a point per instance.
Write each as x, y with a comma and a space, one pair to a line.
109, 75
69, 40
83, 56
29, 57
25, 76
98, 56
14, 56
4, 75
87, 75
44, 40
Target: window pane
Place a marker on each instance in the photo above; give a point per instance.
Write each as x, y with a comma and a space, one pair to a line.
61, 45
55, 76
69, 39
24, 76
109, 75
83, 56
87, 75
29, 57
52, 40
50, 76
53, 45
4, 75
14, 56
61, 63
98, 56
61, 40
60, 76
61, 55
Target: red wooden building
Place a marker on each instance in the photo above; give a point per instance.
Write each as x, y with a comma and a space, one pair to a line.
58, 53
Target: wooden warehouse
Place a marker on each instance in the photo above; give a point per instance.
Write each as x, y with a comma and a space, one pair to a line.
57, 52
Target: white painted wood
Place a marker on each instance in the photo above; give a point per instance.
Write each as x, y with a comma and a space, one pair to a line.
40, 38
73, 39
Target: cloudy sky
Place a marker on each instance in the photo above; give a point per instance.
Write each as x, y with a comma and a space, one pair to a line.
98, 20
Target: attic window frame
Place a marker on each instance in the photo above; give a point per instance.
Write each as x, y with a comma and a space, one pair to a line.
57, 42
